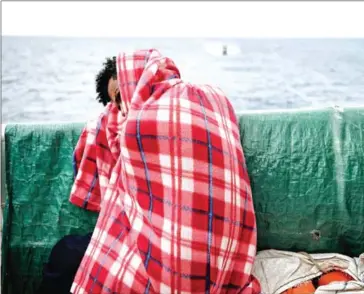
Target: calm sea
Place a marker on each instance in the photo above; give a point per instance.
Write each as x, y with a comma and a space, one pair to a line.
52, 79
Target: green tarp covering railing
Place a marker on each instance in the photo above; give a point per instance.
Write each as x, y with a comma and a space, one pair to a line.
306, 169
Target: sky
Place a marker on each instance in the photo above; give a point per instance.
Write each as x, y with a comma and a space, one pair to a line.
184, 19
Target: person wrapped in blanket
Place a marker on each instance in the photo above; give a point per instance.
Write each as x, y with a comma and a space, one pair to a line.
164, 167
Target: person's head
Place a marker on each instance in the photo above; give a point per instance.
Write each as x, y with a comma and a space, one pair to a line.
107, 87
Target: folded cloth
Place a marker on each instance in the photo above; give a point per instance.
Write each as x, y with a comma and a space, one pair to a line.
167, 174
278, 271
94, 157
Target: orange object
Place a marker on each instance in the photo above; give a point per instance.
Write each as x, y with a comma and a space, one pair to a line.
334, 276
304, 288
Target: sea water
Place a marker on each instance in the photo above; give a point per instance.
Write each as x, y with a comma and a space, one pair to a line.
52, 79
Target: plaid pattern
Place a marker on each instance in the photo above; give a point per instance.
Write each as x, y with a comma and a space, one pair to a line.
167, 174
94, 157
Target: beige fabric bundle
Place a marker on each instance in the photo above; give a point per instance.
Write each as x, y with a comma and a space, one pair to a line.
278, 271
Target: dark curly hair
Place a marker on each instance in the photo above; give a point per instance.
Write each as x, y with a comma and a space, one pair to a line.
102, 80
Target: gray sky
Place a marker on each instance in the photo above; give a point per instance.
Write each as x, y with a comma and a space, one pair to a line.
184, 19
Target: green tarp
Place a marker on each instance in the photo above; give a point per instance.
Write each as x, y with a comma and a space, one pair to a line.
37, 211
306, 169
307, 175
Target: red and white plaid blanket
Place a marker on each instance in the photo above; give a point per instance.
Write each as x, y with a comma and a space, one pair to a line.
168, 176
